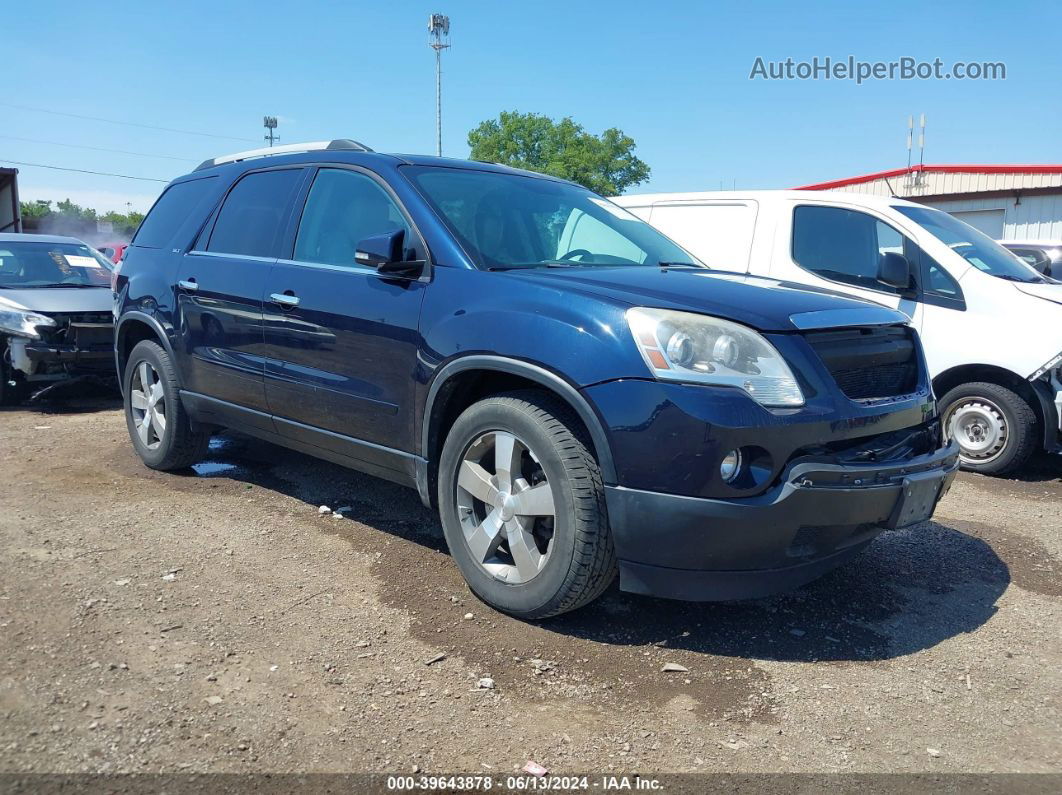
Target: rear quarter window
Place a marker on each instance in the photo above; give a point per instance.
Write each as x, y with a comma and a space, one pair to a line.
253, 215
172, 209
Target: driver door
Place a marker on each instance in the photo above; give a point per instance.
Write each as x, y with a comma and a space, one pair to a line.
340, 338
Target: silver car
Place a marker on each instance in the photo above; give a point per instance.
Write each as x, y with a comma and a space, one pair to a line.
56, 320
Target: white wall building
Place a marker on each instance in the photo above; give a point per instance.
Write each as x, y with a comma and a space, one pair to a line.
1004, 202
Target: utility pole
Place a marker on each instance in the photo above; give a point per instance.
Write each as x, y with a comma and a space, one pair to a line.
438, 40
270, 124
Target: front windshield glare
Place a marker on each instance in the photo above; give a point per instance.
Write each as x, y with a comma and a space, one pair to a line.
978, 249
33, 264
508, 221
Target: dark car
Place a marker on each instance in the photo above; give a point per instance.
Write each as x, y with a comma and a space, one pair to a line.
1044, 255
56, 314
573, 392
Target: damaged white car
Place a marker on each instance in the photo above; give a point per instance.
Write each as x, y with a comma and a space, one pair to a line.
56, 321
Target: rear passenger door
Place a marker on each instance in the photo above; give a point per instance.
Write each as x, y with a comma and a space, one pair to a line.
342, 339
220, 285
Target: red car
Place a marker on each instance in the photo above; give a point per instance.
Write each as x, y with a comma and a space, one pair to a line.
113, 251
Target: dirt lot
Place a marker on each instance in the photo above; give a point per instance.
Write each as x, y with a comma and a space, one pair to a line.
214, 621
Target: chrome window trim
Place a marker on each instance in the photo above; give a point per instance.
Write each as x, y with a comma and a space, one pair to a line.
222, 255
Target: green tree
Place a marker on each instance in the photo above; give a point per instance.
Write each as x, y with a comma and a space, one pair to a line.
36, 209
69, 218
604, 163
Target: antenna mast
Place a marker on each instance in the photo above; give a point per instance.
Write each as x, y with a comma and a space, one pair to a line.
438, 40
910, 140
922, 141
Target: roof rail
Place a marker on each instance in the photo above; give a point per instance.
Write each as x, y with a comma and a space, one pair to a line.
313, 146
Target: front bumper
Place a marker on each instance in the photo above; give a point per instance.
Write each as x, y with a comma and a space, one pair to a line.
819, 515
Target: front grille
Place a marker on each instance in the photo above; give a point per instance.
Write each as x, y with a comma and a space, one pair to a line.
89, 329
869, 363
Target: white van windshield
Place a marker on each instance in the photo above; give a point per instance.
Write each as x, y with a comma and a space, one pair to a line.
978, 249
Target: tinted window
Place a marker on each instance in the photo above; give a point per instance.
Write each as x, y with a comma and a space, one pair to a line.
509, 221
843, 245
250, 221
344, 208
938, 281
171, 210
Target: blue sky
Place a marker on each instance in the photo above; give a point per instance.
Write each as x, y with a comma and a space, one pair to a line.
673, 75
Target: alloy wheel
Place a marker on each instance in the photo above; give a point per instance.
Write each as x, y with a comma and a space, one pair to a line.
506, 508
148, 405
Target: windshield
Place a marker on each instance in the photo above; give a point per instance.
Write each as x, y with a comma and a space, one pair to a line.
978, 249
507, 221
35, 264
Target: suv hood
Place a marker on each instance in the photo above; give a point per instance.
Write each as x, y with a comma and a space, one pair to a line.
1049, 291
47, 300
764, 304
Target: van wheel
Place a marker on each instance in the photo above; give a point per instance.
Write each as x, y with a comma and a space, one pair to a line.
995, 427
523, 506
160, 429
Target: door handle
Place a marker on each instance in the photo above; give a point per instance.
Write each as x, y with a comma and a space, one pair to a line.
188, 285
285, 300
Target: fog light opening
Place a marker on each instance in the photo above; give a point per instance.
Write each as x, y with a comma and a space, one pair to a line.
730, 466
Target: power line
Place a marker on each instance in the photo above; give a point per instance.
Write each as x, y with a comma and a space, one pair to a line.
95, 148
126, 123
82, 171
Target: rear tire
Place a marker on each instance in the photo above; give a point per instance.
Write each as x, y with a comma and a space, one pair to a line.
995, 427
531, 537
159, 427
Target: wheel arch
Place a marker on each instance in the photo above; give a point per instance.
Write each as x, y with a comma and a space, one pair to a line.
993, 374
134, 327
461, 382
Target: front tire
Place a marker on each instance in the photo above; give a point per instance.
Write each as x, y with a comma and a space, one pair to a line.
523, 507
159, 427
994, 426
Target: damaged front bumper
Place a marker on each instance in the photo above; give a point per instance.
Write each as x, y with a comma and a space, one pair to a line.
818, 516
73, 350
1047, 386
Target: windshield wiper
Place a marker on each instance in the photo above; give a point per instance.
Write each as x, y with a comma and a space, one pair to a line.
666, 264
66, 284
1011, 278
529, 265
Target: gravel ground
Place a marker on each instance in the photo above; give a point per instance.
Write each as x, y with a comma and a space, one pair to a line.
215, 621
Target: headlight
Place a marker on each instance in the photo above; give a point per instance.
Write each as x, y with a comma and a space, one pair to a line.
23, 323
683, 346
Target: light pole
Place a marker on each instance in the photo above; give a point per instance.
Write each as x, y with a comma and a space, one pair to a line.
270, 123
438, 40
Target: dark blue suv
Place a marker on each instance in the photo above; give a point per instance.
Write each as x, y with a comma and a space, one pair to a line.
572, 391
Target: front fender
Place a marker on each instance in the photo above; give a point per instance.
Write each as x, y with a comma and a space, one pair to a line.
583, 338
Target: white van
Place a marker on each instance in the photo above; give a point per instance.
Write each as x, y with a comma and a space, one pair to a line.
991, 325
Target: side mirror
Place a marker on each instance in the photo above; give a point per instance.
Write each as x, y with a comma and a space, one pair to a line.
894, 270
384, 252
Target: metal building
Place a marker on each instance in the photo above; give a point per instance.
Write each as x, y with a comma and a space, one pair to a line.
1004, 202
10, 215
